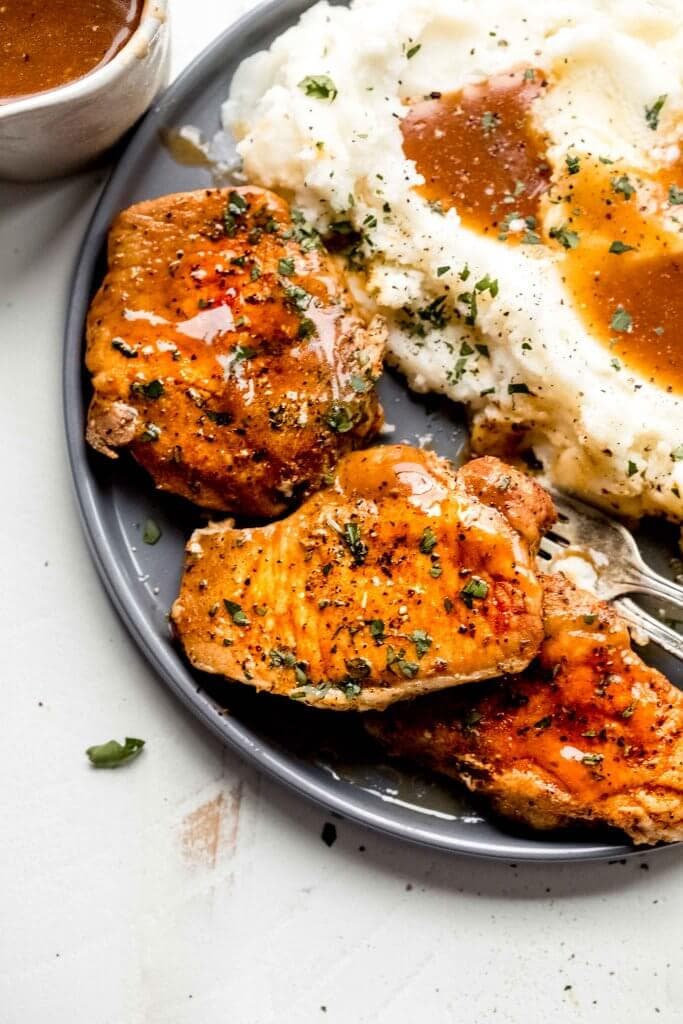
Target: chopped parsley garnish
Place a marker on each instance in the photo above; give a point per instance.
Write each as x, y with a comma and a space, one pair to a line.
235, 207
573, 163
236, 613
306, 329
529, 75
151, 433
675, 195
543, 723
474, 588
297, 297
428, 541
531, 238
440, 271
255, 272
436, 570
120, 345
567, 238
621, 320
628, 711
620, 247
397, 663
320, 87
422, 641
518, 389
623, 186
339, 418
152, 389
376, 627
489, 121
677, 454
632, 468
359, 384
151, 532
286, 266
358, 668
592, 758
281, 658
434, 312
113, 754
589, 619
352, 538
652, 113
242, 352
413, 50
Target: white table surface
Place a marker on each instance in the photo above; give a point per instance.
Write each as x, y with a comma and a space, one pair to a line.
186, 889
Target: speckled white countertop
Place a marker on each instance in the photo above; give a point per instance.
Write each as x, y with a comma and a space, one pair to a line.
187, 889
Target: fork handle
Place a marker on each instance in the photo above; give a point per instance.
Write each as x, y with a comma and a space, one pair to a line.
665, 637
644, 580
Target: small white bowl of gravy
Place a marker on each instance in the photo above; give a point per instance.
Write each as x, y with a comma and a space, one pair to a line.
75, 75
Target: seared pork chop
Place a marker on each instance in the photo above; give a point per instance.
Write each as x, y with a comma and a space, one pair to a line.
394, 581
226, 354
588, 733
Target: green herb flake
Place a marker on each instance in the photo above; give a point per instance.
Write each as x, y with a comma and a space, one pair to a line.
376, 627
628, 711
440, 271
320, 87
422, 641
286, 266
151, 433
617, 248
238, 616
113, 754
352, 538
652, 113
489, 121
675, 195
413, 50
590, 619
358, 668
150, 532
436, 571
519, 388
120, 346
359, 384
281, 658
153, 389
592, 758
339, 418
428, 541
623, 186
567, 238
632, 468
397, 663
573, 163
621, 320
543, 723
474, 588
677, 454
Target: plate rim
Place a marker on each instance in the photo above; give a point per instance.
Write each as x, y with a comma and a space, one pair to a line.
163, 659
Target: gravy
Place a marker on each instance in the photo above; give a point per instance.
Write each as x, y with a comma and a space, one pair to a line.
47, 43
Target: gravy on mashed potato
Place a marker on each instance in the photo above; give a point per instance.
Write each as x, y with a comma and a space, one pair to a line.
512, 193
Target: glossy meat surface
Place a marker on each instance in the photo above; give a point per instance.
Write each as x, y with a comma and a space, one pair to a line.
588, 733
225, 352
394, 581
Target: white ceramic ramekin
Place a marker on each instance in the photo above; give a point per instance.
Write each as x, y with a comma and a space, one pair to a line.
52, 133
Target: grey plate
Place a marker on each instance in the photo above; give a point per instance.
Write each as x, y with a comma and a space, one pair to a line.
324, 756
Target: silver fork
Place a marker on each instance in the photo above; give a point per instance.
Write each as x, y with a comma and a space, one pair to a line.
619, 569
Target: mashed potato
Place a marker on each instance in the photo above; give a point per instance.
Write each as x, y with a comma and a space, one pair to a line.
507, 318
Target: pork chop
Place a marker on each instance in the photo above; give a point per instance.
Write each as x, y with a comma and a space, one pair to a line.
394, 581
588, 733
225, 352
